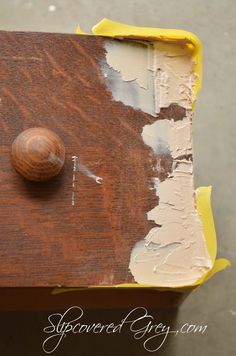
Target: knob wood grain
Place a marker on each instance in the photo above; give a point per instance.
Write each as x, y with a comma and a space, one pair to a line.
38, 154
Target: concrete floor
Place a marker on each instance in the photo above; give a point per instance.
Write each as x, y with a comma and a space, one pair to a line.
213, 21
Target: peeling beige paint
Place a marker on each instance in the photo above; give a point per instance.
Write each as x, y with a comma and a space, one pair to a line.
128, 73
175, 134
121, 56
174, 76
160, 70
174, 252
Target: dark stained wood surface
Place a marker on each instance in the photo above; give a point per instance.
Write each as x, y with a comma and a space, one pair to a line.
55, 81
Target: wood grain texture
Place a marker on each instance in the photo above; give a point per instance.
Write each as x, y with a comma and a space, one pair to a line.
55, 81
38, 154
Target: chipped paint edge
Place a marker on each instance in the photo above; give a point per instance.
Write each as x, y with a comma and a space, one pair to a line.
108, 28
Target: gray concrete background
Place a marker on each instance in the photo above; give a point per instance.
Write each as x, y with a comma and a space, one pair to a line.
214, 22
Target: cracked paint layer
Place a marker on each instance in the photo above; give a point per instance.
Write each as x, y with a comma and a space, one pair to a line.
174, 252
174, 75
131, 84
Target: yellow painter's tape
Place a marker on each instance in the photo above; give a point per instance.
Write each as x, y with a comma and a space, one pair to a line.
108, 28
203, 205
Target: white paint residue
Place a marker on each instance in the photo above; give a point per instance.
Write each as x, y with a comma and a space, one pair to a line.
174, 76
150, 77
77, 166
174, 252
177, 136
128, 71
136, 72
74, 160
130, 59
81, 168
181, 257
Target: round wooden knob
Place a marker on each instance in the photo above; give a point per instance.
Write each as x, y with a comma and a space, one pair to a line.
38, 154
